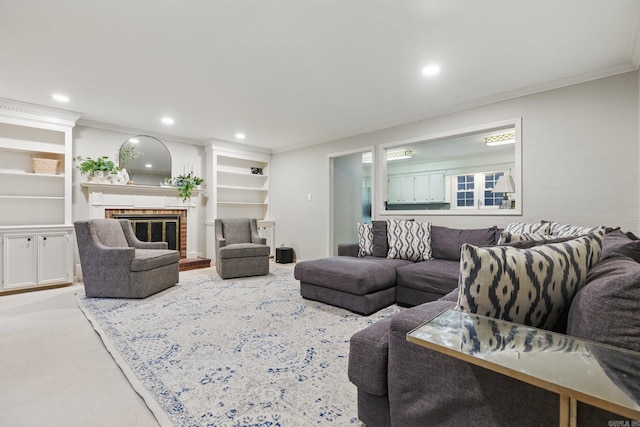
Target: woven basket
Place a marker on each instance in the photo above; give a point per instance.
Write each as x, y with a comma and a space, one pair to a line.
48, 166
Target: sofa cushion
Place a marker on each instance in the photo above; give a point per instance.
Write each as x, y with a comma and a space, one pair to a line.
436, 276
521, 227
148, 259
243, 250
529, 286
446, 242
606, 308
409, 240
358, 276
365, 239
617, 242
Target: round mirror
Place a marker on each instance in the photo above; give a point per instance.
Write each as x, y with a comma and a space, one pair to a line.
146, 160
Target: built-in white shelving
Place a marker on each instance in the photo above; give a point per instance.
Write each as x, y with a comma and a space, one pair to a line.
36, 230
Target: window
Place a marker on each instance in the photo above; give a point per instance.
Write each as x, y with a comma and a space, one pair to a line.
492, 199
465, 191
469, 195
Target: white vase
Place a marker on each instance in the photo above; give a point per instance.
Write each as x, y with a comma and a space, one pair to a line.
125, 175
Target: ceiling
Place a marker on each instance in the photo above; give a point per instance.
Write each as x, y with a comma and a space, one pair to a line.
290, 73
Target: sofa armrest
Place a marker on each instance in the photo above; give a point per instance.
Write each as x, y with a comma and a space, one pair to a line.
426, 386
348, 249
368, 358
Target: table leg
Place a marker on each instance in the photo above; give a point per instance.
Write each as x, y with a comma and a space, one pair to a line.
568, 411
564, 410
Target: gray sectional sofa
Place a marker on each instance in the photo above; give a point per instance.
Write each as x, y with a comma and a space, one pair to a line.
366, 284
403, 384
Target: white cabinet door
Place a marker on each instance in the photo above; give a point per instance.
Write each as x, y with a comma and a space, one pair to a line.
395, 189
436, 187
408, 186
422, 189
20, 260
54, 257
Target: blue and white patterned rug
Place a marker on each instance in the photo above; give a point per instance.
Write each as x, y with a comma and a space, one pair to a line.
239, 352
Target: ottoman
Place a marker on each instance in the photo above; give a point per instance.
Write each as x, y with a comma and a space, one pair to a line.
362, 285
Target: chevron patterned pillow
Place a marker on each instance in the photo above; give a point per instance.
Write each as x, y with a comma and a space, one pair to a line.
409, 240
365, 239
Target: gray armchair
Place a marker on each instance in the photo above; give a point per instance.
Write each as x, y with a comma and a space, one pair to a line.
115, 264
240, 251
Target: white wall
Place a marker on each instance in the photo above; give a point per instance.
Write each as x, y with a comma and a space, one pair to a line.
95, 142
580, 163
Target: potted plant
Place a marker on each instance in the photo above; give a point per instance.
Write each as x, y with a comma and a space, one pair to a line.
186, 184
95, 168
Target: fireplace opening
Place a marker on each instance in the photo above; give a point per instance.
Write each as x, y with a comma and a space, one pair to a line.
155, 227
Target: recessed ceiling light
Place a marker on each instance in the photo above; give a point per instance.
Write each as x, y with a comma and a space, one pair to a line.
240, 135
134, 140
431, 70
168, 120
148, 165
60, 97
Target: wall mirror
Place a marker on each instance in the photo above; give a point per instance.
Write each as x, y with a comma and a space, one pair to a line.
474, 171
146, 159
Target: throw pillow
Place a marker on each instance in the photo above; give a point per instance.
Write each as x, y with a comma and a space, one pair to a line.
365, 239
409, 240
528, 286
521, 227
507, 237
380, 243
568, 229
606, 308
446, 242
617, 242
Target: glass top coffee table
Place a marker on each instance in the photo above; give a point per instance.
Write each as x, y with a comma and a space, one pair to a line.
603, 376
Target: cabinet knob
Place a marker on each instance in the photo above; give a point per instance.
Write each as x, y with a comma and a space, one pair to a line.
28, 239
44, 238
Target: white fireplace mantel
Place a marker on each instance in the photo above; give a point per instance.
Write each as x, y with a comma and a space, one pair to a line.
103, 196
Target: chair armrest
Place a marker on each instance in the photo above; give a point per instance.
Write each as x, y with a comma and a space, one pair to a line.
133, 240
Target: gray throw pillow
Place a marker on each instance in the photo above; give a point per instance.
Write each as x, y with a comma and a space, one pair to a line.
447, 242
380, 244
606, 309
617, 242
532, 286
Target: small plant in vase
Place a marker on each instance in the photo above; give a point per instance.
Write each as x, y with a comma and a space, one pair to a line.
95, 168
186, 184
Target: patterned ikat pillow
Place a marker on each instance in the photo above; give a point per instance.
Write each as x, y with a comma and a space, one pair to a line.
365, 239
507, 237
521, 227
531, 286
409, 240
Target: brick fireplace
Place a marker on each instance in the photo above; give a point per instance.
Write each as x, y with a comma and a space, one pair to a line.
107, 200
154, 214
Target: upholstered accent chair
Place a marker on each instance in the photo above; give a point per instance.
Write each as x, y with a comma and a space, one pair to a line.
240, 251
115, 264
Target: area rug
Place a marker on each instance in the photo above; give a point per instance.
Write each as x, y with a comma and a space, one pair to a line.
239, 352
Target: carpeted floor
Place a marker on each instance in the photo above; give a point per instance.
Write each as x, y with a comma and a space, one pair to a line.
239, 352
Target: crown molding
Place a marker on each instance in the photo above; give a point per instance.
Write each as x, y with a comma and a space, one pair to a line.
236, 147
135, 131
504, 96
25, 110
